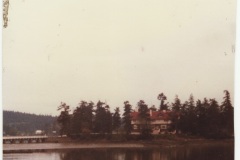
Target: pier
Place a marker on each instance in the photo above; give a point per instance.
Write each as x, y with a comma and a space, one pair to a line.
24, 139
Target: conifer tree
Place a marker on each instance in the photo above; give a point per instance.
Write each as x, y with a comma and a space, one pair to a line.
213, 118
99, 118
144, 118
64, 119
116, 119
127, 118
175, 114
227, 114
162, 98
82, 118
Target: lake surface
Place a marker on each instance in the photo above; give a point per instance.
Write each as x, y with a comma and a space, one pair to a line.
189, 152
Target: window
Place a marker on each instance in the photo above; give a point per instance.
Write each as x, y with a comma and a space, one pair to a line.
163, 127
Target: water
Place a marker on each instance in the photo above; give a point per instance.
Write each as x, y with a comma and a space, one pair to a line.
192, 152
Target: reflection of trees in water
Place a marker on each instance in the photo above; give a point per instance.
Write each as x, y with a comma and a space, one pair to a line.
106, 154
198, 152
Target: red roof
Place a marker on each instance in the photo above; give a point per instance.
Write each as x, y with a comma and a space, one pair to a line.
154, 115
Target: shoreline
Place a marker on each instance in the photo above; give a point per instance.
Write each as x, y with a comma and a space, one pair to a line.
42, 147
163, 143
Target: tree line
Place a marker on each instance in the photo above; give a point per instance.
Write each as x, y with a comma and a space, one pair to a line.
18, 123
205, 118
89, 118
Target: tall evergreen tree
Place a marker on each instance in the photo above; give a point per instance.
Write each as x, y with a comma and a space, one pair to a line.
191, 116
213, 117
116, 119
64, 118
99, 116
227, 113
103, 118
88, 114
127, 117
176, 106
162, 98
183, 118
76, 127
175, 114
108, 120
82, 118
201, 112
144, 118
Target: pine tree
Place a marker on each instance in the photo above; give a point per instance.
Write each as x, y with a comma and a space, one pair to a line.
201, 112
175, 114
213, 117
82, 118
64, 119
227, 114
116, 119
176, 105
99, 118
108, 120
191, 116
144, 118
127, 118
103, 119
162, 98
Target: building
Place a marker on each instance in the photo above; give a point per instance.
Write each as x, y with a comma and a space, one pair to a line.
160, 122
39, 132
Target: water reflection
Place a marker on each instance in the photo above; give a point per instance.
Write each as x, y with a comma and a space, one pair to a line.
209, 152
174, 153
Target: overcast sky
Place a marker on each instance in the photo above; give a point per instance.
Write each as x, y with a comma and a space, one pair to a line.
111, 50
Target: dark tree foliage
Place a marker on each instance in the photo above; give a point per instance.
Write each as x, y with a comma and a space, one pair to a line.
162, 98
18, 123
108, 120
206, 119
201, 112
64, 119
227, 114
176, 106
213, 117
191, 116
144, 117
188, 117
183, 118
116, 119
103, 119
82, 118
202, 118
127, 118
153, 108
175, 114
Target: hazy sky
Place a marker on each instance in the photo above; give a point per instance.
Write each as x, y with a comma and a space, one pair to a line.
116, 50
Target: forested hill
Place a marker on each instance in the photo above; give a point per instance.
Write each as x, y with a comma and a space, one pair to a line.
17, 123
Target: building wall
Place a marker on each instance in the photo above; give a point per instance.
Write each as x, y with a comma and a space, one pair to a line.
158, 126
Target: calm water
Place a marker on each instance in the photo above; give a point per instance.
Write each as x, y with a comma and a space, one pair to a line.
197, 152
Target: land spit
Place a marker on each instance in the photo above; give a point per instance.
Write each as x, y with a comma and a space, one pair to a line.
36, 147
41, 147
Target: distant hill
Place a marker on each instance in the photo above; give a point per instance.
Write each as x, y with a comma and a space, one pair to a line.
18, 123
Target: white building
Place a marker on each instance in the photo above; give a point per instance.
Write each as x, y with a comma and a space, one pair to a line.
160, 121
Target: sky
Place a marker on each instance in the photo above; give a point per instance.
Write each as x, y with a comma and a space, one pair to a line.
110, 50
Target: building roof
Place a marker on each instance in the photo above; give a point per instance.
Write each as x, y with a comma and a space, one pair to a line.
154, 115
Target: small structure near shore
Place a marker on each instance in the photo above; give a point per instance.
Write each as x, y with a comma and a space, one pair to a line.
39, 132
24, 139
